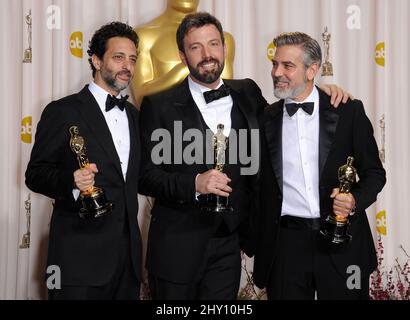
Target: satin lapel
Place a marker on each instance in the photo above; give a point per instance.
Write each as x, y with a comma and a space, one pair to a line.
245, 106
328, 119
133, 160
190, 114
95, 120
273, 132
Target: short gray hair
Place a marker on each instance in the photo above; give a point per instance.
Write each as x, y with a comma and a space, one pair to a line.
311, 48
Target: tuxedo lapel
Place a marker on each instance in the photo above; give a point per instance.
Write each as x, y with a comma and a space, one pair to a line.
187, 108
273, 132
95, 120
133, 161
190, 115
328, 119
243, 103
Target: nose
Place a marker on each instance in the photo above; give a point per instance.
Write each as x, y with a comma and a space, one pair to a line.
126, 65
206, 52
277, 71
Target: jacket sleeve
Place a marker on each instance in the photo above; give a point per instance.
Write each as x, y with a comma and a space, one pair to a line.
372, 176
45, 172
154, 180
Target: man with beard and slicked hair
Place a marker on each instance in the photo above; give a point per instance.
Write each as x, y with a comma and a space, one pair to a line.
194, 254
158, 67
305, 142
99, 257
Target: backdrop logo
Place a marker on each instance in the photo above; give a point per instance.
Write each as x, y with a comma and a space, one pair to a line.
381, 222
379, 54
53, 17
76, 44
26, 124
271, 51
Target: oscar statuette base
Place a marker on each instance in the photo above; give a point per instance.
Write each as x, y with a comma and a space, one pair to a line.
94, 204
335, 230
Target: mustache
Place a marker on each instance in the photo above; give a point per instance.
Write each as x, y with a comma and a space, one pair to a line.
280, 79
207, 61
127, 73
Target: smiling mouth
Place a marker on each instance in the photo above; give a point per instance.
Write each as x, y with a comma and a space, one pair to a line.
124, 76
208, 65
281, 84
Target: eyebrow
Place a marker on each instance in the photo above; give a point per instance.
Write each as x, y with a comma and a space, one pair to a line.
283, 62
123, 54
197, 42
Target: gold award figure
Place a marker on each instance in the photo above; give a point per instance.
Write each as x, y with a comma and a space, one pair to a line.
159, 66
220, 142
335, 227
93, 201
28, 52
382, 151
327, 68
213, 202
25, 241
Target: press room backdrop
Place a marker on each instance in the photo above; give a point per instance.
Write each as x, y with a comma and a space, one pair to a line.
369, 50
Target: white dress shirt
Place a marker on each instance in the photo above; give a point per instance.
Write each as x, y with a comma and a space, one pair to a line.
117, 122
215, 112
300, 149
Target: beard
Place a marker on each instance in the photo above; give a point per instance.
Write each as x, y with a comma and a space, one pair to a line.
288, 93
109, 78
209, 76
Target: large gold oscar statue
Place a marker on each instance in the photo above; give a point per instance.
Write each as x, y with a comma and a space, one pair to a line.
159, 66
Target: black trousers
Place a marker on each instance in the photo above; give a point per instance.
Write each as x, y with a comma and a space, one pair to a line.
218, 276
303, 267
123, 285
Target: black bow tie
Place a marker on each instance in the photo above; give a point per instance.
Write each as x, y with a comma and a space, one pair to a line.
292, 108
219, 93
113, 101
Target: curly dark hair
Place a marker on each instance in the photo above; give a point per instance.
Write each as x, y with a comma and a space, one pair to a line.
98, 43
196, 20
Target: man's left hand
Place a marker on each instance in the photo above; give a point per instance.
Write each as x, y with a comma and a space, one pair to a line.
336, 94
343, 203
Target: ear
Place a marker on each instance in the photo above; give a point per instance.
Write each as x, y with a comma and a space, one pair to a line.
312, 71
96, 62
182, 57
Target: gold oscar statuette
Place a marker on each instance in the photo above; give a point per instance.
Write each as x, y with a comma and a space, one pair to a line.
28, 52
327, 68
382, 151
94, 203
335, 227
213, 202
159, 66
25, 241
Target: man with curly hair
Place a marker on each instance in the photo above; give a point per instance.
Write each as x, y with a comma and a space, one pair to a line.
99, 257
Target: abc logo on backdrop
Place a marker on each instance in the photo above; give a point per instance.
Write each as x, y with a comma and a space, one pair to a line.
26, 129
76, 44
379, 54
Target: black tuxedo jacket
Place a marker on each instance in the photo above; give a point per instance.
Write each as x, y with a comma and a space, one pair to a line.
345, 131
86, 250
179, 231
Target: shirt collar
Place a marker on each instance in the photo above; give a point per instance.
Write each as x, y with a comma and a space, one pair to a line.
199, 88
99, 94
